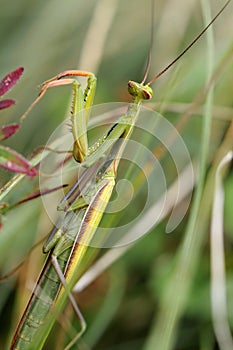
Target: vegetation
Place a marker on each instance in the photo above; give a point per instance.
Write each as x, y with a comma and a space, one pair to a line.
157, 295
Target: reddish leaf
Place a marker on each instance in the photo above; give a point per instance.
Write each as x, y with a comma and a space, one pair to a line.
8, 130
9, 80
13, 161
6, 103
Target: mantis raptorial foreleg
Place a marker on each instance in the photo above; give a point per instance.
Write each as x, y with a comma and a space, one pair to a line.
82, 100
81, 103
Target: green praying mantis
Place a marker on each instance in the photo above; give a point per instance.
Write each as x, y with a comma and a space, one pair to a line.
65, 245
84, 204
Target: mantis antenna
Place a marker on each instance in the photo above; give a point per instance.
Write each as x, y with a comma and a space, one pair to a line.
151, 43
182, 53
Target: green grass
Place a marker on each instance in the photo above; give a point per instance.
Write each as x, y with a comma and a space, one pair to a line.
157, 296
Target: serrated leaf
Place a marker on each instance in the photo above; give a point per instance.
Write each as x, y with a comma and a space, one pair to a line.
6, 103
13, 161
9, 80
8, 130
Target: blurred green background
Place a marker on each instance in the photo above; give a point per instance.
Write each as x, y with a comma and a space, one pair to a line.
111, 38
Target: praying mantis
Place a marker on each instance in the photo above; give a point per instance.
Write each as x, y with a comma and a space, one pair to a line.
64, 245
65, 249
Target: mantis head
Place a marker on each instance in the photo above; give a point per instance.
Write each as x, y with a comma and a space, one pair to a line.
143, 92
